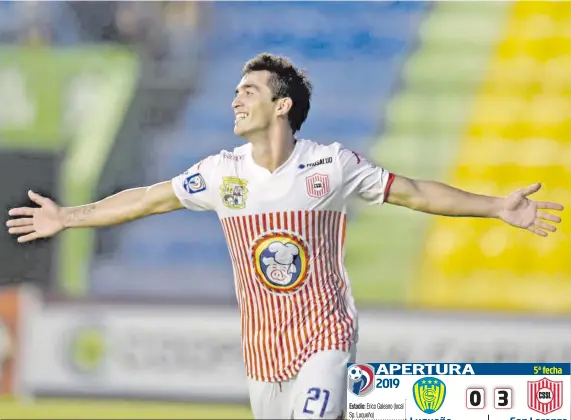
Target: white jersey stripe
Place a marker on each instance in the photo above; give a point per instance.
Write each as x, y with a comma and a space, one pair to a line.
345, 291
332, 277
321, 280
344, 323
268, 307
290, 350
332, 284
255, 326
261, 315
234, 240
336, 278
238, 279
296, 318
274, 304
304, 232
311, 233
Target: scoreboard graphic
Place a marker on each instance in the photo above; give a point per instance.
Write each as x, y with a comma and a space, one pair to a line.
459, 391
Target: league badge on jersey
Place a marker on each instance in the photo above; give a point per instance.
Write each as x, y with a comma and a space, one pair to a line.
360, 379
429, 394
317, 185
282, 261
545, 396
194, 184
234, 192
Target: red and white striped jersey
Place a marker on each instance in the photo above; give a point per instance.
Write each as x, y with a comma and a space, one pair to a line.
285, 232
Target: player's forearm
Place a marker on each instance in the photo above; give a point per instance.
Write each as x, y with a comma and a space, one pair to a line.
441, 199
119, 208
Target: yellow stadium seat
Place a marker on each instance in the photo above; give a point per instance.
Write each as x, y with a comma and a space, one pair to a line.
519, 133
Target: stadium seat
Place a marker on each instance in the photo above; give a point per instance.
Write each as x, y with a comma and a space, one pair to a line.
523, 106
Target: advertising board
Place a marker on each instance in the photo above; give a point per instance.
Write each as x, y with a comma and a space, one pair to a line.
135, 351
194, 353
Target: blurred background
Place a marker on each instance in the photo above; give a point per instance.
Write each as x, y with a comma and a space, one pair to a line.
96, 97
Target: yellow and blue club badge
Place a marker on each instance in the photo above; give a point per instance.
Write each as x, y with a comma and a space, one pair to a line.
429, 394
233, 192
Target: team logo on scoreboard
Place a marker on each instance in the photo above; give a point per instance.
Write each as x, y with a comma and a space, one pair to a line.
360, 379
234, 192
317, 185
545, 396
429, 394
281, 260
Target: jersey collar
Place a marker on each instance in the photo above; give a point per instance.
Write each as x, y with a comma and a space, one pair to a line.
291, 160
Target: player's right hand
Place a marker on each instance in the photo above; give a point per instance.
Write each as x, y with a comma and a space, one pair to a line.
35, 223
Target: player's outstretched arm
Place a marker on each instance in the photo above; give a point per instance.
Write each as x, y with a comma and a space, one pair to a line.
49, 218
441, 199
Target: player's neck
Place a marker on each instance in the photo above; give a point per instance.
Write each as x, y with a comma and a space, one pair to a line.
274, 150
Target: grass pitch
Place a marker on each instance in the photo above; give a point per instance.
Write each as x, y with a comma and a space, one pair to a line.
116, 410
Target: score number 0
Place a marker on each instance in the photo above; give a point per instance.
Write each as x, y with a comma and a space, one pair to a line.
476, 398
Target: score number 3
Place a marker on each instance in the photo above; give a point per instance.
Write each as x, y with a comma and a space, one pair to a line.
503, 398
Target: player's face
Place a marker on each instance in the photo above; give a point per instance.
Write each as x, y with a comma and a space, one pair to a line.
254, 109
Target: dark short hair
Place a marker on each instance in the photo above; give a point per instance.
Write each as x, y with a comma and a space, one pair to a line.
286, 81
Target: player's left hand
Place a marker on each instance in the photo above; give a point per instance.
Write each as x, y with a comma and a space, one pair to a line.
519, 211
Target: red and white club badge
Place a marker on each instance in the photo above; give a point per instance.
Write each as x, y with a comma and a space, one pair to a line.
317, 185
545, 396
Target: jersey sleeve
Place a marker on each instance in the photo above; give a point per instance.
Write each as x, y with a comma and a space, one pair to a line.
371, 182
194, 187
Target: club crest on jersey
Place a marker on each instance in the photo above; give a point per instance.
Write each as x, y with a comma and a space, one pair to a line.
317, 185
281, 260
234, 192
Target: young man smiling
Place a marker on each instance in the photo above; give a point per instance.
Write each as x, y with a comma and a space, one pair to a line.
282, 204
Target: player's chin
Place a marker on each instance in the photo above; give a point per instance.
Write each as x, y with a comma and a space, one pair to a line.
239, 131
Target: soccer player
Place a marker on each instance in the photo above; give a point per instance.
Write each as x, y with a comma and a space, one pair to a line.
282, 204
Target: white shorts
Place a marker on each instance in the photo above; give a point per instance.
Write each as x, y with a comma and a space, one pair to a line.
318, 391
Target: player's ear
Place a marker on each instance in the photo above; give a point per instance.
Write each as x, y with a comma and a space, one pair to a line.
284, 106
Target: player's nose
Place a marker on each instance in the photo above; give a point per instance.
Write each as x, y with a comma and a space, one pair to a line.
236, 103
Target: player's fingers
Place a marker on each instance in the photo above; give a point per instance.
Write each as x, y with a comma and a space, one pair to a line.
531, 189
537, 231
29, 237
546, 226
548, 216
21, 211
21, 230
23, 221
36, 198
549, 205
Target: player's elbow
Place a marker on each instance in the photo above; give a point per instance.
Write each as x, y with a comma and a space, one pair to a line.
408, 193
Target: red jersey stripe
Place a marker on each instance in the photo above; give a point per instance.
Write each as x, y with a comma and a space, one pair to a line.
292, 288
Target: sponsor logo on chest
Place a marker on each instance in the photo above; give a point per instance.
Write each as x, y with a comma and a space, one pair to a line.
322, 161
